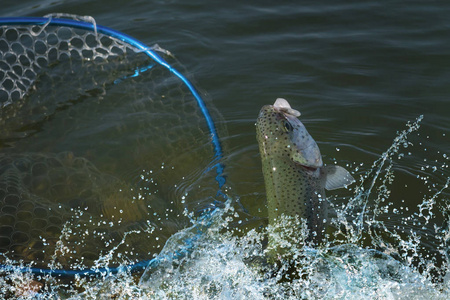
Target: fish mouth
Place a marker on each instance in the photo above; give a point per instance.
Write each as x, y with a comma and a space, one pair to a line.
281, 105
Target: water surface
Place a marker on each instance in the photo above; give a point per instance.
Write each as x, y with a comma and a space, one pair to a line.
358, 72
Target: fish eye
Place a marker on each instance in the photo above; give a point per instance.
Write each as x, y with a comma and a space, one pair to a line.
287, 126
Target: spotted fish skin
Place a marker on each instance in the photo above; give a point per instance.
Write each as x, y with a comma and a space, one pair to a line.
294, 174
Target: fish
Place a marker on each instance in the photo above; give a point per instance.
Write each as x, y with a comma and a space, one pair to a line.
295, 176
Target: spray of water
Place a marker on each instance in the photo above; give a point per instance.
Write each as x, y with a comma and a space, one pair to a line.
375, 250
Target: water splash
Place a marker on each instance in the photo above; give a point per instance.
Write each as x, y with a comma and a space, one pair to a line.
375, 250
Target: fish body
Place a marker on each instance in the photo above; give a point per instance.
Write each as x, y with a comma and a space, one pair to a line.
294, 175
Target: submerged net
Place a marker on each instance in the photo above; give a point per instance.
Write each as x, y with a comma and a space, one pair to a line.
98, 142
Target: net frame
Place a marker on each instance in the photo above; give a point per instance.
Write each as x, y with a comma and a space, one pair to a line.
88, 23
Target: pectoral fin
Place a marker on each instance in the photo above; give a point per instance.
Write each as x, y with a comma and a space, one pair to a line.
336, 177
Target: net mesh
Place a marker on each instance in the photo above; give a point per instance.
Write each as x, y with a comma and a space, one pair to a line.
99, 148
26, 51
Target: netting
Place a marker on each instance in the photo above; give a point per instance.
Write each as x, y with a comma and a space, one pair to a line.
39, 194
100, 143
26, 51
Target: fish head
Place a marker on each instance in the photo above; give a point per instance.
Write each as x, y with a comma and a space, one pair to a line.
282, 135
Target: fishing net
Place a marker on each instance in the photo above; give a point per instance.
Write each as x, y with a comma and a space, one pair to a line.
100, 146
27, 51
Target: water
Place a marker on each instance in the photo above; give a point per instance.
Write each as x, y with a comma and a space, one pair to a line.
358, 72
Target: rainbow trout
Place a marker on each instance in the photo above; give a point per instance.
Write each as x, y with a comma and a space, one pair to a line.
294, 174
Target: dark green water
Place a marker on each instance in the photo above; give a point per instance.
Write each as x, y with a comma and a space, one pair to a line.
357, 71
